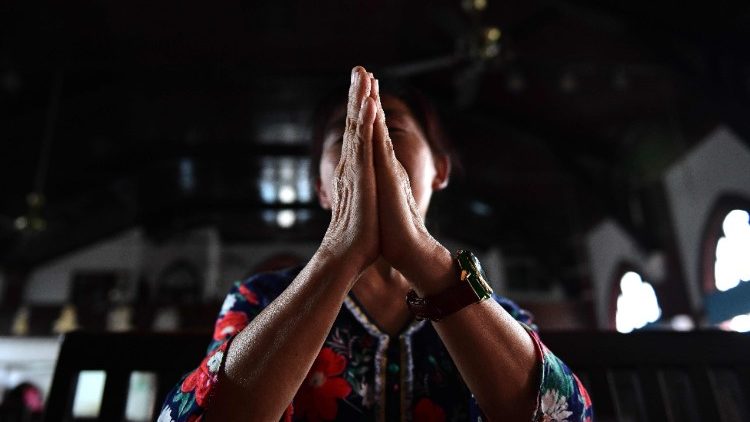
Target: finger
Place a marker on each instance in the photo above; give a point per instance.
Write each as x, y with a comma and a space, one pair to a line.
382, 146
375, 93
358, 90
390, 174
360, 147
381, 114
367, 116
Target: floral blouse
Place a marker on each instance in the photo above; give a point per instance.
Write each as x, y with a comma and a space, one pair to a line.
363, 374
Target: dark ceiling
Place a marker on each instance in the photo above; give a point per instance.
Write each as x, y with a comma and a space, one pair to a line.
571, 117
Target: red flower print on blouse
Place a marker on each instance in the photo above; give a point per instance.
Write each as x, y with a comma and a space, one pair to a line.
288, 414
199, 382
205, 376
427, 411
316, 398
249, 295
584, 393
229, 324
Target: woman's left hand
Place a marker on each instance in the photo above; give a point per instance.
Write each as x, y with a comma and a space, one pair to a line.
404, 240
509, 354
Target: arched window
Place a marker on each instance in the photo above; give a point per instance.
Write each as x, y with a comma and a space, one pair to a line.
726, 265
635, 301
732, 263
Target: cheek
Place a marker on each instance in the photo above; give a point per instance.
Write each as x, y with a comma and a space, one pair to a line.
420, 168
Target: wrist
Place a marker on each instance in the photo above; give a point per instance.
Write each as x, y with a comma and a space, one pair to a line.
470, 287
347, 261
432, 270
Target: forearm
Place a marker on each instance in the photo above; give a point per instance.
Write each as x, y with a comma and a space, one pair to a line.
493, 352
496, 358
268, 360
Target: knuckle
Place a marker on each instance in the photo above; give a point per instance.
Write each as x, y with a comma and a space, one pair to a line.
352, 121
351, 131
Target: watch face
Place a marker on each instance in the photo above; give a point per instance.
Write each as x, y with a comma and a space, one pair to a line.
469, 263
477, 266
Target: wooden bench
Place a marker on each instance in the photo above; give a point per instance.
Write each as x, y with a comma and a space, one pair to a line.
660, 375
647, 376
167, 356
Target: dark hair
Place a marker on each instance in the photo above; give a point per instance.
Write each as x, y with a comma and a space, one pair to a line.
421, 108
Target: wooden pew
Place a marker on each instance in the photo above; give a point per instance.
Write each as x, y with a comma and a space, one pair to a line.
646, 376
660, 375
168, 356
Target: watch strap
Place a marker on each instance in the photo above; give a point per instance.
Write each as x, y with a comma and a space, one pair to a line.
472, 288
438, 306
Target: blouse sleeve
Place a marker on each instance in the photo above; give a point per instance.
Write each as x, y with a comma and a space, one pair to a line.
560, 396
188, 399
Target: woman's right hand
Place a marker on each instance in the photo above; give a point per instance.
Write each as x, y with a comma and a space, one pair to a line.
353, 233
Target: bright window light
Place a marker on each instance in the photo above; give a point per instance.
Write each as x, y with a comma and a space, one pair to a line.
740, 323
733, 251
636, 305
287, 167
304, 187
141, 396
286, 218
267, 182
285, 180
287, 194
682, 322
89, 391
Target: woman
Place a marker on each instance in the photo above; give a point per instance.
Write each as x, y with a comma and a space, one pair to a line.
336, 340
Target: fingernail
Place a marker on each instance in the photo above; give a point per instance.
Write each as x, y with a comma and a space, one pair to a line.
354, 74
376, 87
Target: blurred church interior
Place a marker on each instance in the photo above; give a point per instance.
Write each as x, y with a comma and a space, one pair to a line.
154, 153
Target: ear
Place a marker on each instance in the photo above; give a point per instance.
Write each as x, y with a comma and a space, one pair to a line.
323, 199
442, 172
